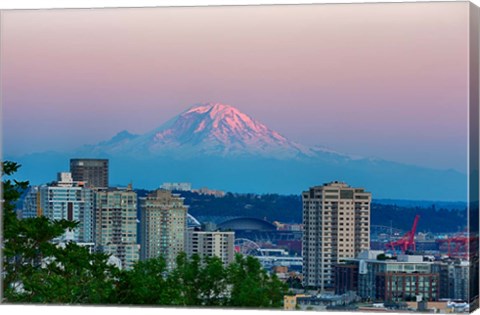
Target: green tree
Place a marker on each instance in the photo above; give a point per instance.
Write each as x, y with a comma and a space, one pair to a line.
187, 280
382, 256
193, 282
252, 286
145, 284
213, 282
70, 275
201, 282
36, 268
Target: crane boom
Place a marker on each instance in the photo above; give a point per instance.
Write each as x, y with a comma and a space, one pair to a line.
408, 240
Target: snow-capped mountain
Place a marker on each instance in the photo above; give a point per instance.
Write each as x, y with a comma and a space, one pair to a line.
208, 129
218, 146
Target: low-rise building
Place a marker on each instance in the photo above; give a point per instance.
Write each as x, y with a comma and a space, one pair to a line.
401, 279
290, 301
327, 301
346, 278
444, 307
405, 286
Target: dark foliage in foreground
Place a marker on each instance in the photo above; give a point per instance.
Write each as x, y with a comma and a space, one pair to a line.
197, 282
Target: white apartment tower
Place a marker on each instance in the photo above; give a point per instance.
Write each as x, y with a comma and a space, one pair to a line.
69, 200
163, 226
336, 221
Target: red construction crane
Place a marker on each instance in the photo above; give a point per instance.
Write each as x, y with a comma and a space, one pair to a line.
461, 242
407, 241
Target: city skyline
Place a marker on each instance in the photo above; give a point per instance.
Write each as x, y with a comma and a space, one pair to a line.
88, 73
336, 219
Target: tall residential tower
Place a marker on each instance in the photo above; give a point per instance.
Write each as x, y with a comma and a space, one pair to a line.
116, 224
336, 221
163, 226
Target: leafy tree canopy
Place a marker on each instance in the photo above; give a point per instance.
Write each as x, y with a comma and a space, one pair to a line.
40, 270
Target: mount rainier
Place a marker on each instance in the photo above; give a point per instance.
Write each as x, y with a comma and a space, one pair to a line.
218, 146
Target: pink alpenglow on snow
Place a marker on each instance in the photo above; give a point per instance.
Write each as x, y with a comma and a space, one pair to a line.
224, 121
219, 129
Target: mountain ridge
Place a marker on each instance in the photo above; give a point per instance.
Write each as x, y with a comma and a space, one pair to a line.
216, 145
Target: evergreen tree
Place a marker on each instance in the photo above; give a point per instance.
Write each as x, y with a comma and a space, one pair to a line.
213, 282
39, 270
252, 286
145, 284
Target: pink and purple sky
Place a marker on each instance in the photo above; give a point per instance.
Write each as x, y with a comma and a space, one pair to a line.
385, 80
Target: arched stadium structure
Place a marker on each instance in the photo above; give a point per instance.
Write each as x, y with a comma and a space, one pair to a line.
192, 222
247, 224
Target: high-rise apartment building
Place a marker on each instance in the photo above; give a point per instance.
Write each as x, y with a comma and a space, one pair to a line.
163, 226
70, 200
211, 244
93, 172
336, 221
116, 224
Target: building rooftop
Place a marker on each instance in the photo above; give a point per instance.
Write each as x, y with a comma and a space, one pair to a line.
390, 261
337, 184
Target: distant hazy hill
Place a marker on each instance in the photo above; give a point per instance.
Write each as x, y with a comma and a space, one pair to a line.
288, 209
217, 145
422, 203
